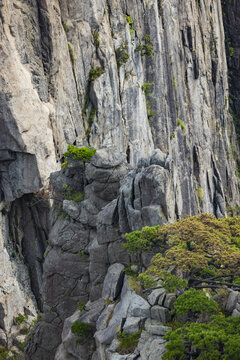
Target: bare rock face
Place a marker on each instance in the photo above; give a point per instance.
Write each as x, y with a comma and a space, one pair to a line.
76, 72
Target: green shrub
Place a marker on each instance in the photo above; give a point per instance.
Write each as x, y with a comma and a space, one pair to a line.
147, 281
182, 125
130, 23
194, 301
79, 153
172, 283
4, 353
122, 55
146, 48
96, 40
95, 73
128, 342
140, 241
65, 27
20, 319
82, 330
219, 339
80, 305
200, 194
71, 54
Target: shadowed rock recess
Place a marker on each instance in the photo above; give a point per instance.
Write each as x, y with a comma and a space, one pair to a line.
145, 82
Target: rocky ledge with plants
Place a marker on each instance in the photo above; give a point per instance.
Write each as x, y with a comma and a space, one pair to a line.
185, 305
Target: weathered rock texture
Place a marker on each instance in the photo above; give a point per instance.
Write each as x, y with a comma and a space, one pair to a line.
163, 85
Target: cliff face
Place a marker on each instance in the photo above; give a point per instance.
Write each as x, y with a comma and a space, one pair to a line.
131, 76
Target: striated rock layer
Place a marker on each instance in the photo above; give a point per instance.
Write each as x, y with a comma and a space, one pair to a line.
125, 77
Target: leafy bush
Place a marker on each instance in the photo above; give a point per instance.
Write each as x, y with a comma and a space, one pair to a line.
130, 23
194, 301
79, 153
172, 283
146, 48
96, 40
82, 330
147, 281
71, 54
20, 319
122, 55
81, 305
95, 73
219, 339
140, 241
181, 124
128, 342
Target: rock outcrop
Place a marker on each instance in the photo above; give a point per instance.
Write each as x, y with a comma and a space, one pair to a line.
145, 83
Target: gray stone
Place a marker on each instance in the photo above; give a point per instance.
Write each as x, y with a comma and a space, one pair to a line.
235, 313
151, 347
169, 301
154, 296
71, 208
231, 301
155, 327
113, 282
107, 158
158, 158
132, 324
160, 313
161, 299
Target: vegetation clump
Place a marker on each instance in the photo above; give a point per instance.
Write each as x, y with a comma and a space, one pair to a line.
194, 301
128, 342
96, 40
95, 73
82, 330
199, 258
130, 23
218, 339
20, 319
122, 55
146, 49
78, 153
80, 305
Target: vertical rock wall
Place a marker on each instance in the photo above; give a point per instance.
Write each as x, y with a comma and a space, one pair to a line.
136, 75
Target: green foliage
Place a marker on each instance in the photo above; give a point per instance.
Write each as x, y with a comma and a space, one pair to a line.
191, 244
95, 73
134, 284
130, 23
182, 125
4, 352
20, 319
65, 27
79, 153
80, 305
82, 330
128, 342
69, 194
231, 51
71, 54
82, 254
206, 273
173, 282
194, 301
146, 48
146, 87
200, 194
140, 241
219, 339
122, 55
128, 271
96, 40
147, 281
